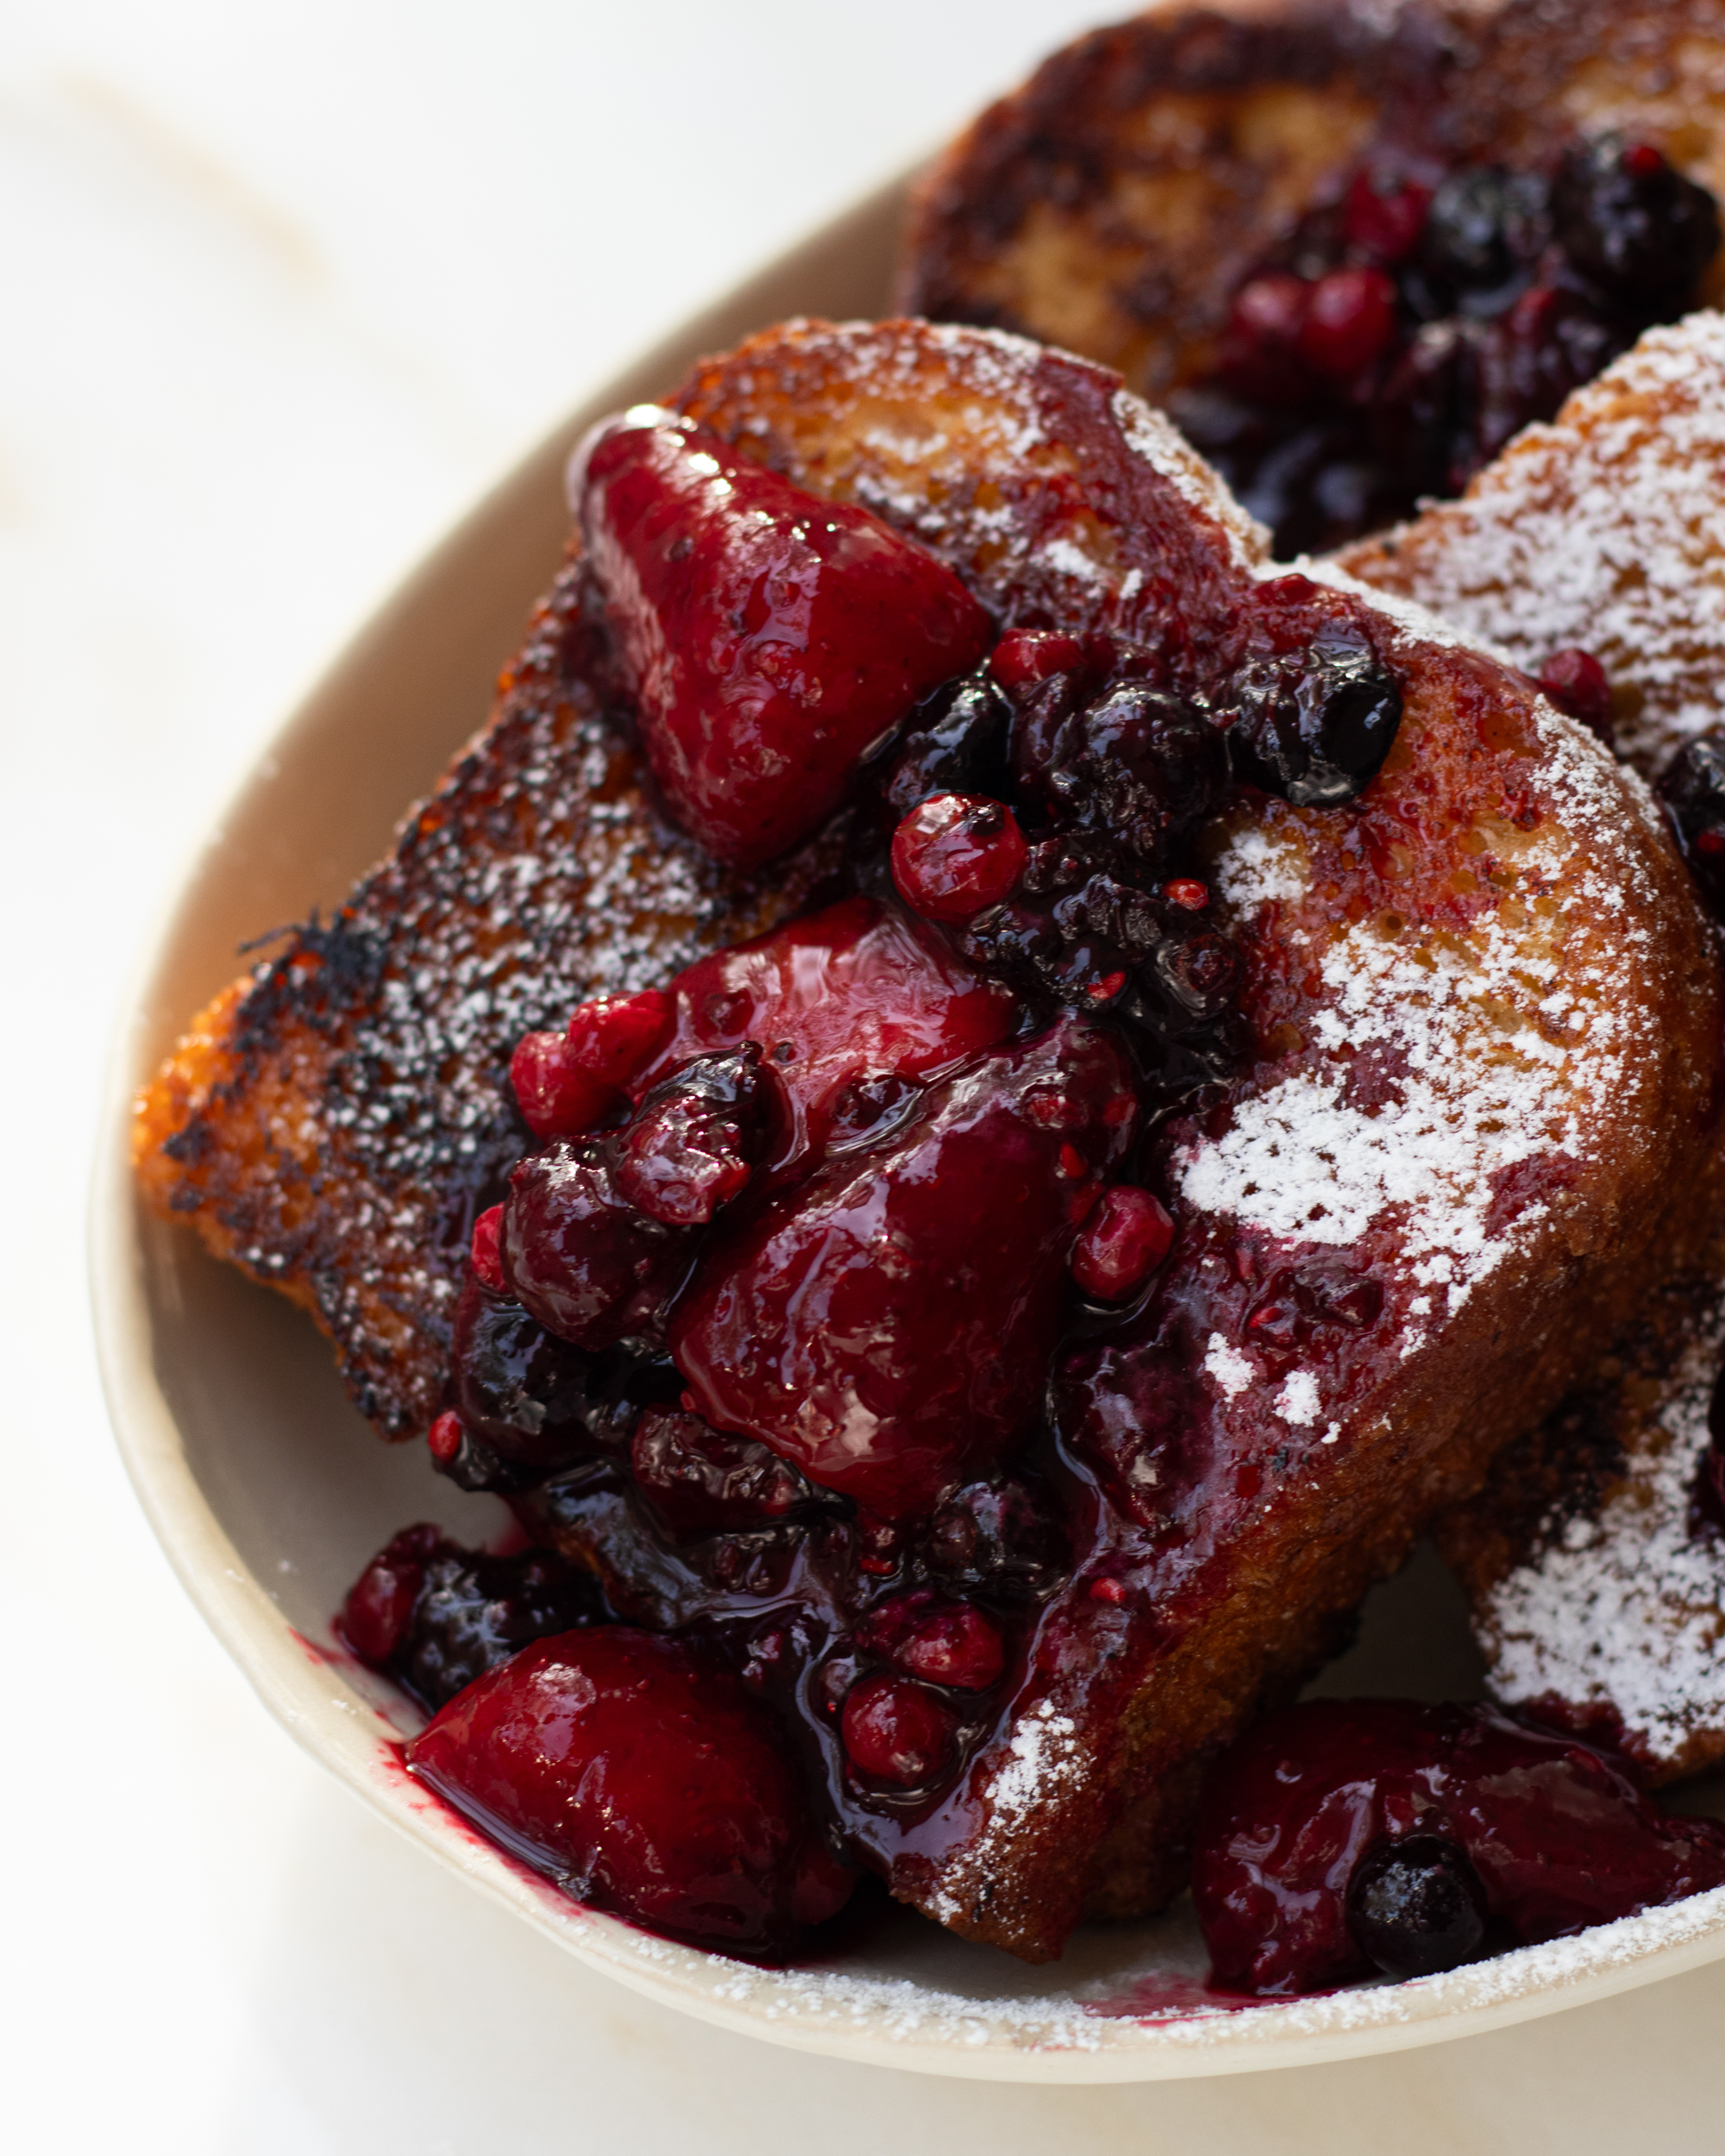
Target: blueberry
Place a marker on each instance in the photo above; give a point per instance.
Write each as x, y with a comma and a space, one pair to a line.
1416, 1906
1315, 727
956, 743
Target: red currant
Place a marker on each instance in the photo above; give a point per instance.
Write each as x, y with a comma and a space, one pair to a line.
955, 853
1350, 321
1124, 1241
897, 1731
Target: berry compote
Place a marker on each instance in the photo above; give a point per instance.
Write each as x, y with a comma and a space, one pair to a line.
1692, 788
1408, 329
1349, 1838
761, 1340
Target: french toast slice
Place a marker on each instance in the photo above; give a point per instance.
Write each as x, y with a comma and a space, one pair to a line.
1592, 1560
1604, 529
1117, 203
333, 1122
1487, 1036
1378, 965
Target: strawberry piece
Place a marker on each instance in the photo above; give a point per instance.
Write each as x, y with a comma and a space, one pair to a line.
886, 1324
643, 1778
849, 1005
770, 638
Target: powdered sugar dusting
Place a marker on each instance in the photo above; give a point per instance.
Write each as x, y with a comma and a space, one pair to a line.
1605, 529
1626, 1608
1231, 1371
1039, 1762
1151, 1999
1497, 1065
1255, 869
1297, 1401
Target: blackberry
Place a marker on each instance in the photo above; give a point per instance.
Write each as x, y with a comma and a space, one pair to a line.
703, 1482
1394, 345
435, 1616
1002, 1539
1485, 226
1632, 226
536, 1401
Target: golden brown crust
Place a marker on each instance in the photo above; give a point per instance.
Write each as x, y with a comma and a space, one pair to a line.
1114, 203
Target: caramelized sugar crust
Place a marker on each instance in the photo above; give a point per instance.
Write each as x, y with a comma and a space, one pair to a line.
1114, 204
1605, 529
334, 1121
1487, 1034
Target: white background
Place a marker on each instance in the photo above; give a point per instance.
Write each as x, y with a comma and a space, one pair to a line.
282, 288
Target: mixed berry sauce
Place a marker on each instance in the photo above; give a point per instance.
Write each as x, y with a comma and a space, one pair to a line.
1351, 1837
1406, 330
829, 1341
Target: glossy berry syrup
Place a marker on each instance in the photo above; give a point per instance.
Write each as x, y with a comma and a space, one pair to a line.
1407, 330
769, 639
1344, 1838
888, 1324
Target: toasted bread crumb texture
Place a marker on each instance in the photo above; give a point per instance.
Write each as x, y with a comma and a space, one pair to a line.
1604, 529
335, 1123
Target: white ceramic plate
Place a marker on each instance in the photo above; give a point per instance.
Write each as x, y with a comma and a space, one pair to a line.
269, 1493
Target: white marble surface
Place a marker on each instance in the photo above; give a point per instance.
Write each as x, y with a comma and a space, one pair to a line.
285, 287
